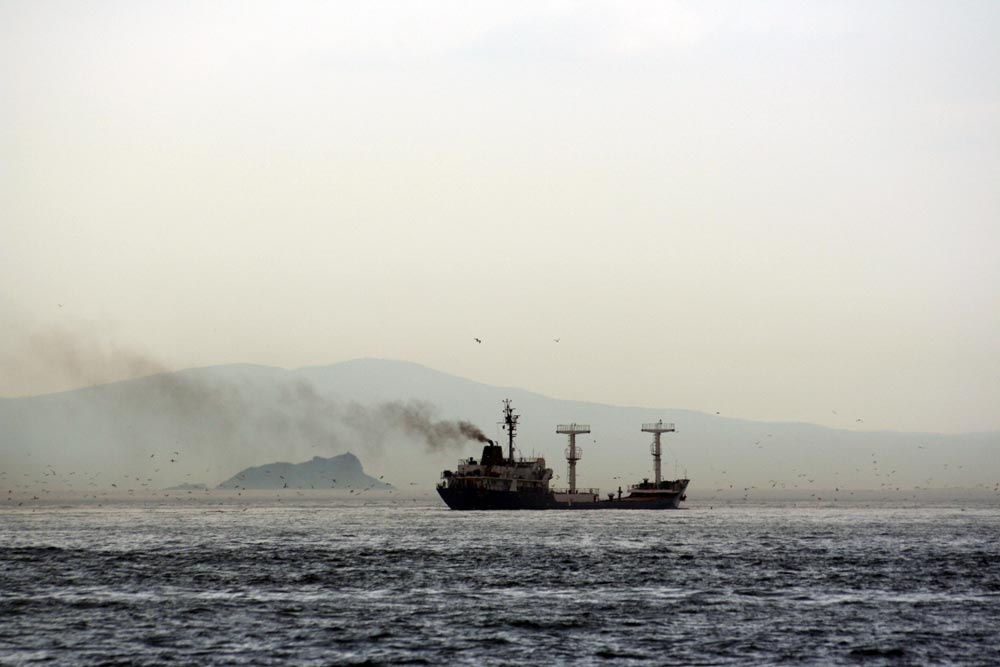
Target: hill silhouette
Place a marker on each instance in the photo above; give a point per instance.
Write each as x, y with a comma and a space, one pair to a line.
400, 418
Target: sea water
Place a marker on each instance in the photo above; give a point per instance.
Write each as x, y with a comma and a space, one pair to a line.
325, 582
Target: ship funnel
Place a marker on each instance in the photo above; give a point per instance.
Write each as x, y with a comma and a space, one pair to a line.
654, 449
573, 453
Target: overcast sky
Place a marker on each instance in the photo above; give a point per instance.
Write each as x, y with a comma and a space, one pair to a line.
774, 210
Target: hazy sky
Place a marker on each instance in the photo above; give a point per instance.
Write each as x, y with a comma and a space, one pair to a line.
774, 210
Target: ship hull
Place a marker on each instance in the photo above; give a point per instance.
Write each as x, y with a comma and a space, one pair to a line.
484, 499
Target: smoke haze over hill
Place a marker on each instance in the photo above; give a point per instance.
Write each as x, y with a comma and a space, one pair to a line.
408, 422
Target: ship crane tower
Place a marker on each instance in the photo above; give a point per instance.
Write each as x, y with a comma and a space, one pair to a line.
573, 453
654, 448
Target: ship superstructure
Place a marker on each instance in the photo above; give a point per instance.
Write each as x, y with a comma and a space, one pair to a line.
498, 482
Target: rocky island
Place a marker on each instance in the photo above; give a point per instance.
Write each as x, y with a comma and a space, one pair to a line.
337, 472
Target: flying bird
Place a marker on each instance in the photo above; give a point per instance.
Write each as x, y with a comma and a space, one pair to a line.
477, 340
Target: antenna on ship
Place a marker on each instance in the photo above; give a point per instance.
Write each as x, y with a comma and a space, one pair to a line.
573, 453
654, 449
510, 423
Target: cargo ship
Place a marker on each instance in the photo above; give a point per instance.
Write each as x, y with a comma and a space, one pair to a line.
499, 482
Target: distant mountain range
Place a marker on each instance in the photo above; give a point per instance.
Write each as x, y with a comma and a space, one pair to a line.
201, 425
338, 472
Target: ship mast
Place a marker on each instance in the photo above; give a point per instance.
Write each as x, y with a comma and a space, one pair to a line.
654, 449
573, 453
510, 423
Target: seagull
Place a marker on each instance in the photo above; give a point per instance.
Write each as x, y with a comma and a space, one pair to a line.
556, 339
477, 340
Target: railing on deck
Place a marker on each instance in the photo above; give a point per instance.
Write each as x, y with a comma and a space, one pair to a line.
663, 427
665, 485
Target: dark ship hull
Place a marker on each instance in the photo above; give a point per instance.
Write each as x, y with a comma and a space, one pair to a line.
485, 499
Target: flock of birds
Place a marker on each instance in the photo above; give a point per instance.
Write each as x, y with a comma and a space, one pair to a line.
889, 485
105, 487
102, 487
51, 485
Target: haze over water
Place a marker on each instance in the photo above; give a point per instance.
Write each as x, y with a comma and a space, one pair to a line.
781, 211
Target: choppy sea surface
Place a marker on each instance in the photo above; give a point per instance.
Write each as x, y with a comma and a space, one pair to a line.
324, 582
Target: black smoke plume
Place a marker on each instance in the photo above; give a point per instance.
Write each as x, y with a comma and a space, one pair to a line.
412, 418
